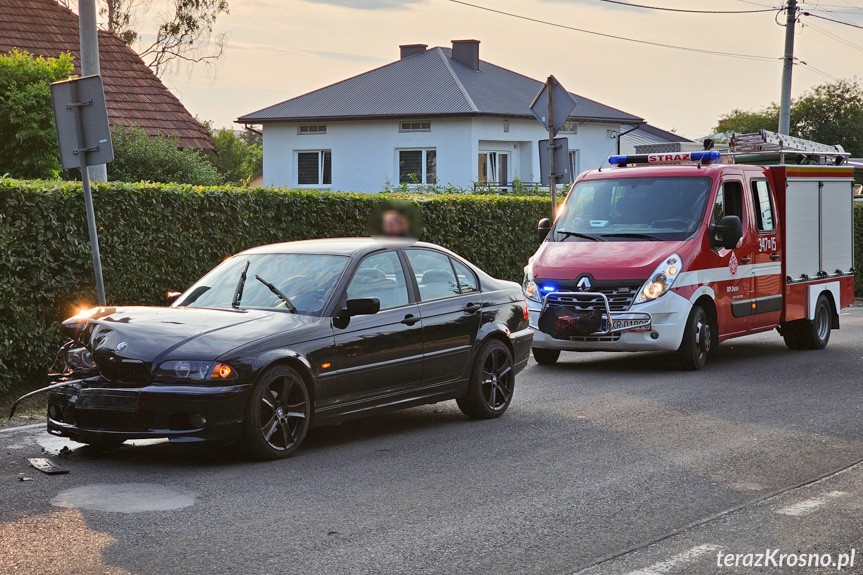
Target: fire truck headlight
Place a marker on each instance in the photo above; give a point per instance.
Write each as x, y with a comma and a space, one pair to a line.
660, 280
531, 291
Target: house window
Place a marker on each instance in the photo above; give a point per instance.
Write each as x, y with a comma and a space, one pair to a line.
415, 127
493, 168
573, 164
312, 129
418, 166
569, 128
315, 168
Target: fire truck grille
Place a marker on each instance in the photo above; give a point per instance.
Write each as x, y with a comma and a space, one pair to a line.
619, 299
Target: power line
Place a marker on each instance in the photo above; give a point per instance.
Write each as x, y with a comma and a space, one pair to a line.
624, 38
834, 36
688, 11
832, 20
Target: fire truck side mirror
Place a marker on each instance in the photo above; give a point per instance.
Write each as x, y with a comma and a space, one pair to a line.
542, 229
727, 234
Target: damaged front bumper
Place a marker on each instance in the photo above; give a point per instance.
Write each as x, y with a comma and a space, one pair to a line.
181, 413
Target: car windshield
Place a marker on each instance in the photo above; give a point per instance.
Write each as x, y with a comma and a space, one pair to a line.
633, 209
293, 283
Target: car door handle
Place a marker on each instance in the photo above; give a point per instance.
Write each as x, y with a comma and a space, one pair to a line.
472, 307
745, 260
775, 257
410, 319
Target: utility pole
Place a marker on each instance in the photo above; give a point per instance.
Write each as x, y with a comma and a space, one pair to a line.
787, 65
549, 84
89, 38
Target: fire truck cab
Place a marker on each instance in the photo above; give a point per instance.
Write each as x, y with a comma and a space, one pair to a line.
683, 251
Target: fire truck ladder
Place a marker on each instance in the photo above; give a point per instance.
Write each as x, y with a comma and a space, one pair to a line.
748, 148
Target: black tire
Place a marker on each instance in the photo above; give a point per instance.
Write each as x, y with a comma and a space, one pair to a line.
816, 332
277, 414
545, 356
697, 341
492, 382
792, 333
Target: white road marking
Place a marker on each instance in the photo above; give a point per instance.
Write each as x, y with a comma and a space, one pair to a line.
669, 564
809, 505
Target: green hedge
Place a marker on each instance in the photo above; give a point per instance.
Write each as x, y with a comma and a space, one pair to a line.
160, 237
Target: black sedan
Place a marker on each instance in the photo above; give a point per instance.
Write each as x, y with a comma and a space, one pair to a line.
283, 337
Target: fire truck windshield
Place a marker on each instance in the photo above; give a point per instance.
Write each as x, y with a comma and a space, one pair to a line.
633, 209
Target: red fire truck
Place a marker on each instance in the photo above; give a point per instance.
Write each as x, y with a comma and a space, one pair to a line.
682, 251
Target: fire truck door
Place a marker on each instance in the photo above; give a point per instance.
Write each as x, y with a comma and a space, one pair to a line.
732, 269
767, 300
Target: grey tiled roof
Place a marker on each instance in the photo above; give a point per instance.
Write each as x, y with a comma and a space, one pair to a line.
426, 85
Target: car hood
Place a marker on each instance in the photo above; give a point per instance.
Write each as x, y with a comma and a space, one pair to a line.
153, 334
603, 260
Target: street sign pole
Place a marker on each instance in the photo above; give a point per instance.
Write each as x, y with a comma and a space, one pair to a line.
543, 108
82, 151
84, 139
551, 168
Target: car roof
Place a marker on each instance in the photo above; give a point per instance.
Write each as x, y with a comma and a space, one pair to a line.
340, 246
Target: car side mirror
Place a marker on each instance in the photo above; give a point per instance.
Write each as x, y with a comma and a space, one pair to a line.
727, 234
172, 296
363, 306
542, 229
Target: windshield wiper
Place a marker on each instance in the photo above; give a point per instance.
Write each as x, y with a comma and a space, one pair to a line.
291, 307
579, 235
633, 235
238, 291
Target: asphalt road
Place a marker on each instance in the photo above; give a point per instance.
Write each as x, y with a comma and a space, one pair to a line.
604, 465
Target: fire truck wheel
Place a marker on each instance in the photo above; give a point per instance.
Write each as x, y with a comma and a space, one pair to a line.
697, 340
817, 331
545, 356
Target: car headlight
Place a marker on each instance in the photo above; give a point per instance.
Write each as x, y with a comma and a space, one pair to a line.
182, 370
79, 358
660, 280
531, 290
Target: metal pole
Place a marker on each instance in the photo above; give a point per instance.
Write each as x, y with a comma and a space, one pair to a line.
551, 168
88, 199
89, 38
785, 103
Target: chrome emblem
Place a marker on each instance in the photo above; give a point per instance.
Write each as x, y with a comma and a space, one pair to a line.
583, 284
121, 346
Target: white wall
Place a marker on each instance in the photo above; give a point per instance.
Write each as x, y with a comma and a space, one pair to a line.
364, 153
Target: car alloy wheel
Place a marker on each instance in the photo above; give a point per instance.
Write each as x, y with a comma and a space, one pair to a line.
492, 382
277, 414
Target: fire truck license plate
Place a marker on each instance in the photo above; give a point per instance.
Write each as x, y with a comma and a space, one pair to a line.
627, 324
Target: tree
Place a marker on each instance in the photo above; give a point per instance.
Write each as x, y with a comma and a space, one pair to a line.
140, 157
184, 34
28, 138
236, 160
831, 113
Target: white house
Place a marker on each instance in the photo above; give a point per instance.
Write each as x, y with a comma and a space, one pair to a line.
435, 115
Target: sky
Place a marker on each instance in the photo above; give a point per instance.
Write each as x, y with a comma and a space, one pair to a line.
279, 49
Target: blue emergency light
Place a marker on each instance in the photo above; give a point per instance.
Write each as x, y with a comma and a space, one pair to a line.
548, 288
666, 158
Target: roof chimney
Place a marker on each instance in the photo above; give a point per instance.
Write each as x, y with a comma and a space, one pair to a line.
466, 52
408, 50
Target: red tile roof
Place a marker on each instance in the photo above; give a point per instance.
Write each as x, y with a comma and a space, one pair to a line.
134, 94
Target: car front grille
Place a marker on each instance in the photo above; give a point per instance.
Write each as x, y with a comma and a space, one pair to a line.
619, 299
126, 372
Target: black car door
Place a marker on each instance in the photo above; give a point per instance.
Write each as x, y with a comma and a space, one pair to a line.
450, 305
379, 354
